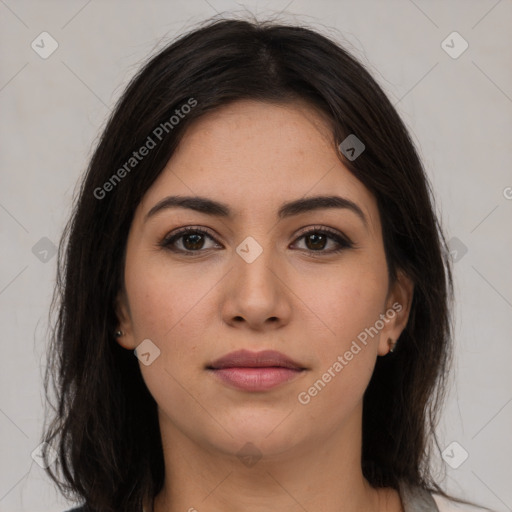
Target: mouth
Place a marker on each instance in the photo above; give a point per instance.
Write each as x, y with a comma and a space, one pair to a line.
255, 371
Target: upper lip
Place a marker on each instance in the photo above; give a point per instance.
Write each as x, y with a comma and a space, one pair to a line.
263, 359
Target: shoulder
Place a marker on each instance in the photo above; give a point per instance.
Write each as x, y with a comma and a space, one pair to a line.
77, 509
446, 505
418, 499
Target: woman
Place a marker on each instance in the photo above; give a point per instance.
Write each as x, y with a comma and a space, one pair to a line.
256, 227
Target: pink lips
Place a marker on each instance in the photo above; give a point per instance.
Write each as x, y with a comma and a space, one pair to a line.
255, 371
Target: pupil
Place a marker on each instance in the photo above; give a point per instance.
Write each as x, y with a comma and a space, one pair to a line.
196, 244
319, 239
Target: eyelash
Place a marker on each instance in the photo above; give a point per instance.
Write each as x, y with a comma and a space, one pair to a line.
344, 242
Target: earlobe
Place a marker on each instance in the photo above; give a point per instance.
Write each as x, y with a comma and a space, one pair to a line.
123, 333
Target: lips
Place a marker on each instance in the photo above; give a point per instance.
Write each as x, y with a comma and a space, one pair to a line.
246, 359
255, 371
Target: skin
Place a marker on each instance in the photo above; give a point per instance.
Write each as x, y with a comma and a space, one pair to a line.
308, 304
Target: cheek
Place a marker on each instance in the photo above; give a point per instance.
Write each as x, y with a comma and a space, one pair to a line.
166, 308
172, 307
350, 304
346, 352
163, 297
346, 301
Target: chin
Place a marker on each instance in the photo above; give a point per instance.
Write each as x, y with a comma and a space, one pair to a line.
268, 434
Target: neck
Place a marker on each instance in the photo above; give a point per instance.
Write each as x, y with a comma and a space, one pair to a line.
317, 475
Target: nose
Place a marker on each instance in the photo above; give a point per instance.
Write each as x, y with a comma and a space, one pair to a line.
256, 294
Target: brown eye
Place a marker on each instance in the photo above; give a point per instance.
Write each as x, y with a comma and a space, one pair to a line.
317, 239
193, 242
187, 241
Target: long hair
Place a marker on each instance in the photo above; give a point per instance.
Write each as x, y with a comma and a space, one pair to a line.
104, 424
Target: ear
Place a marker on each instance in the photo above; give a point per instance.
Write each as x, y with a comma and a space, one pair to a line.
122, 309
398, 307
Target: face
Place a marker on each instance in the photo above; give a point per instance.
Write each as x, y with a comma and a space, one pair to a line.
257, 273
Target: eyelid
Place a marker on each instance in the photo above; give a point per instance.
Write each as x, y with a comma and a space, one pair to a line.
340, 238
179, 232
324, 229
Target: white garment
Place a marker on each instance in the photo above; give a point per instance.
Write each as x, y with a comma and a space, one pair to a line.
414, 499
446, 505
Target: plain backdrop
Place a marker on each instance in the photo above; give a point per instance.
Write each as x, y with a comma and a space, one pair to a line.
458, 107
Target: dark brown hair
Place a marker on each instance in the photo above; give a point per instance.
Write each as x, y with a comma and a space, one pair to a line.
104, 425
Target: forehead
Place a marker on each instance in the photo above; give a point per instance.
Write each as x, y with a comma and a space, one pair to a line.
257, 155
269, 137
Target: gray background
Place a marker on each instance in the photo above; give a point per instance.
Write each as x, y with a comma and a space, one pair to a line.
459, 111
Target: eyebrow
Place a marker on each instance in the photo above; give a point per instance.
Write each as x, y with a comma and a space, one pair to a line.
288, 209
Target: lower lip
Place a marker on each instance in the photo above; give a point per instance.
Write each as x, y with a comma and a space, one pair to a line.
256, 379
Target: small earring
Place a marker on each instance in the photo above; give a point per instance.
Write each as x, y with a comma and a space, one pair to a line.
391, 345
118, 334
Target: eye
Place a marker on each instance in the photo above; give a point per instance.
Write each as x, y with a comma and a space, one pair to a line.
191, 240
317, 239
